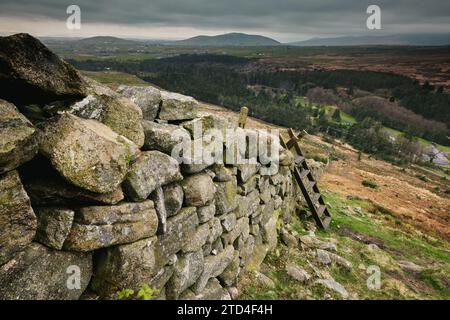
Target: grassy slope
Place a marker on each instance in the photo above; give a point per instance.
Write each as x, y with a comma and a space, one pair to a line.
401, 242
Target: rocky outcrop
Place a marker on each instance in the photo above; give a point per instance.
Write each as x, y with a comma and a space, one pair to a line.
17, 218
87, 153
40, 273
54, 225
146, 98
175, 106
31, 73
18, 142
151, 169
118, 113
103, 226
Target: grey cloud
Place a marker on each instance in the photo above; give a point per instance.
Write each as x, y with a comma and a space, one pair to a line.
283, 16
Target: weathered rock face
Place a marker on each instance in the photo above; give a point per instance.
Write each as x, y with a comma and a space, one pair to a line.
31, 73
198, 190
40, 273
151, 169
212, 291
54, 225
87, 153
213, 267
147, 98
225, 196
17, 219
175, 106
161, 137
124, 266
54, 191
18, 142
187, 270
180, 230
173, 198
102, 226
118, 113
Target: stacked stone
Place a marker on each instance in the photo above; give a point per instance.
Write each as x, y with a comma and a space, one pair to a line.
91, 191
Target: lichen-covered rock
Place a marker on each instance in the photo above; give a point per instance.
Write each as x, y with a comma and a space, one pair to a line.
269, 233
157, 197
288, 239
247, 250
212, 291
173, 198
87, 153
198, 189
225, 196
17, 219
246, 171
297, 273
54, 191
175, 106
103, 226
206, 213
54, 225
243, 206
151, 169
228, 221
229, 276
313, 242
146, 98
334, 286
118, 113
180, 230
186, 272
253, 262
200, 126
162, 137
249, 185
242, 227
18, 143
215, 229
213, 267
198, 239
31, 73
40, 273
222, 173
125, 266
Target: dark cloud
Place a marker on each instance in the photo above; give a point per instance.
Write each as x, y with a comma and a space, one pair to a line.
290, 18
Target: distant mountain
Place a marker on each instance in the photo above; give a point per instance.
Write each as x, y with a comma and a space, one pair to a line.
399, 39
229, 39
106, 40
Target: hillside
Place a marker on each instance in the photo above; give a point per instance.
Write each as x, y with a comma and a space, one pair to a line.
229, 39
106, 40
394, 40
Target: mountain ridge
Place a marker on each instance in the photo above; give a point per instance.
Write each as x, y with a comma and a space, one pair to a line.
395, 39
229, 39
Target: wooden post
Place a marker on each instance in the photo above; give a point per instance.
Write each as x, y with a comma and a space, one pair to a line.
243, 117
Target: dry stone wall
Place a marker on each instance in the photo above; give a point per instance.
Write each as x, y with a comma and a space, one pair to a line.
91, 201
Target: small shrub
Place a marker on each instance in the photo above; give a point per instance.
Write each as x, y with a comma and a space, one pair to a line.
144, 293
369, 184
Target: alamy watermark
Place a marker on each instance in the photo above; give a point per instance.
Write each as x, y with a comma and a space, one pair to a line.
374, 20
74, 279
73, 22
228, 146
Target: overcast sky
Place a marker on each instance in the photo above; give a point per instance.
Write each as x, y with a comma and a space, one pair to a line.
284, 20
